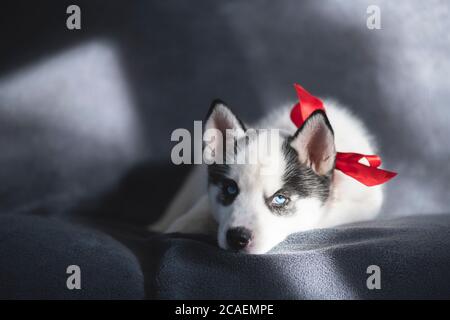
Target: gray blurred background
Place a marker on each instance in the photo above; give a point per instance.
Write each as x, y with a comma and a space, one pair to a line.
86, 115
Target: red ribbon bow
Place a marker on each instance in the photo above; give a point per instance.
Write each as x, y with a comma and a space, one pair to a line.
347, 162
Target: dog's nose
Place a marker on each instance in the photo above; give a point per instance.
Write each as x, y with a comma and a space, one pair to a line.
238, 238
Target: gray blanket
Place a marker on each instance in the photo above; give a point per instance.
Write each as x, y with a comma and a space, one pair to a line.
412, 253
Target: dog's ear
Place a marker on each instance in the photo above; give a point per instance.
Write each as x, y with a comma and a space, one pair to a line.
221, 125
221, 117
314, 143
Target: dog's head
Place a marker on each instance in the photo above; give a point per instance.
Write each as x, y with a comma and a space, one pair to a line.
261, 191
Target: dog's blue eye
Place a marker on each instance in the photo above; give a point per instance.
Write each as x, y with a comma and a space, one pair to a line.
231, 189
279, 200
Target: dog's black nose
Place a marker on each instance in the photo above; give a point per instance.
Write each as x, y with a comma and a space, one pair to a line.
238, 238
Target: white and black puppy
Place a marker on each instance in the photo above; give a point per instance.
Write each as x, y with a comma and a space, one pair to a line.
252, 207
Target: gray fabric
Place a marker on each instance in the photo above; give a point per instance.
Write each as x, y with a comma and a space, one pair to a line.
35, 253
412, 253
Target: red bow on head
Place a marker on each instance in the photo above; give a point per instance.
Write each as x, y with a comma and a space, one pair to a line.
348, 163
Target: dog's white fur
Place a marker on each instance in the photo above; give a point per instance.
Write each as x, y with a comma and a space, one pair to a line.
195, 209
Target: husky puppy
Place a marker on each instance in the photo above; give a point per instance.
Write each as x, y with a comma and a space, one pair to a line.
251, 207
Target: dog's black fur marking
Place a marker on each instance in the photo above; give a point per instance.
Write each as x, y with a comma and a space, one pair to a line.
217, 175
300, 179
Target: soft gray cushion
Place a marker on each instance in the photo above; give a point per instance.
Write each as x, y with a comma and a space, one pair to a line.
35, 253
412, 253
